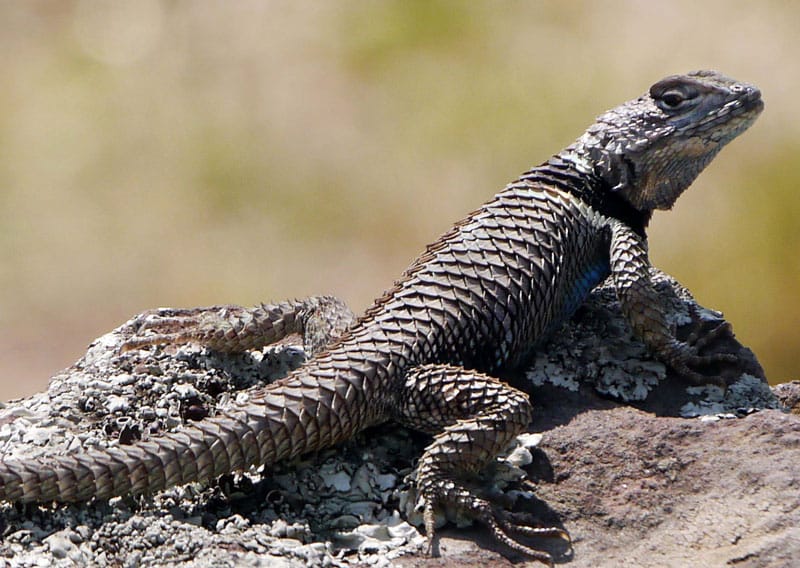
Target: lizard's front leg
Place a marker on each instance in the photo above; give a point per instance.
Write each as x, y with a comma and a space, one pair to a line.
232, 329
473, 417
643, 310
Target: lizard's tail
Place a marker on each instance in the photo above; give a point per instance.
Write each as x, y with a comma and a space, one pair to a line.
298, 414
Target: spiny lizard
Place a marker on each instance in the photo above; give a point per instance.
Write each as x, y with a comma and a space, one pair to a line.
472, 307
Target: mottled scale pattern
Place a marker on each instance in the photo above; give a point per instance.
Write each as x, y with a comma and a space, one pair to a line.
468, 301
472, 307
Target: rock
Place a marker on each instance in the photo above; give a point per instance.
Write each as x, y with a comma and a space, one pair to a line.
668, 491
620, 463
789, 396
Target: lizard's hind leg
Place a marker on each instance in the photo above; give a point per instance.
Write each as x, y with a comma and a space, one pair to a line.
233, 329
474, 417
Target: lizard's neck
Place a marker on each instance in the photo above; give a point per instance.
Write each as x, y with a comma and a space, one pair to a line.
570, 172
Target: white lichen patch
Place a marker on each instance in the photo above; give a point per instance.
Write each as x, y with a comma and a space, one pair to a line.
630, 380
115, 403
552, 373
744, 395
339, 480
520, 452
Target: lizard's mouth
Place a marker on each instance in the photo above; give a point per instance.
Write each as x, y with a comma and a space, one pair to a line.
737, 114
750, 103
753, 102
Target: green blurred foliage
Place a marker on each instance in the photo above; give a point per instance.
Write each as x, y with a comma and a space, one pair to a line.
188, 153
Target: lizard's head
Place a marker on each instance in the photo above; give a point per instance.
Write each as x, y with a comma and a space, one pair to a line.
652, 148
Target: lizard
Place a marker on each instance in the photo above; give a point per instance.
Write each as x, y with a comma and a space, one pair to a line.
431, 353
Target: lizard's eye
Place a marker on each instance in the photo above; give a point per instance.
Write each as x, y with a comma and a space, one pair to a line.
675, 99
672, 99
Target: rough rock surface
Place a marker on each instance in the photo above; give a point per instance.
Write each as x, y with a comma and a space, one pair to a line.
640, 469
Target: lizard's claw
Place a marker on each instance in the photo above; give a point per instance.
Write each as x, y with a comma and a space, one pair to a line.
528, 525
236, 329
500, 523
684, 356
167, 326
699, 339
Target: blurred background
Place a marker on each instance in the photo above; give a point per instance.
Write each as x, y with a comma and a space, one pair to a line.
190, 153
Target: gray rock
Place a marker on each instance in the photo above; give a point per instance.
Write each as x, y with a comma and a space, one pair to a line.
619, 465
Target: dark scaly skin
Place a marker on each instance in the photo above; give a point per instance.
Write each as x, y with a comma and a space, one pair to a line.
474, 305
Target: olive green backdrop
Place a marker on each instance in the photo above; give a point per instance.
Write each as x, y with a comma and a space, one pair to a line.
189, 153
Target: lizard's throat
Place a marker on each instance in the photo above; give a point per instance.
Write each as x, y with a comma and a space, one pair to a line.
658, 183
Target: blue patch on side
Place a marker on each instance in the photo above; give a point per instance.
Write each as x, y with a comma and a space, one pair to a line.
585, 283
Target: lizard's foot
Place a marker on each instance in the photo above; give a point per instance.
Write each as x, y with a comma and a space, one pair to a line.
208, 326
501, 524
233, 329
474, 417
685, 357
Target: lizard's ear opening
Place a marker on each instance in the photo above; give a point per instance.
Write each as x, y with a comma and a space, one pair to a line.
618, 172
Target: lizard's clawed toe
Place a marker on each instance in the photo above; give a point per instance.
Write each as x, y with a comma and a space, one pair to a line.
501, 523
529, 525
158, 327
700, 338
698, 368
